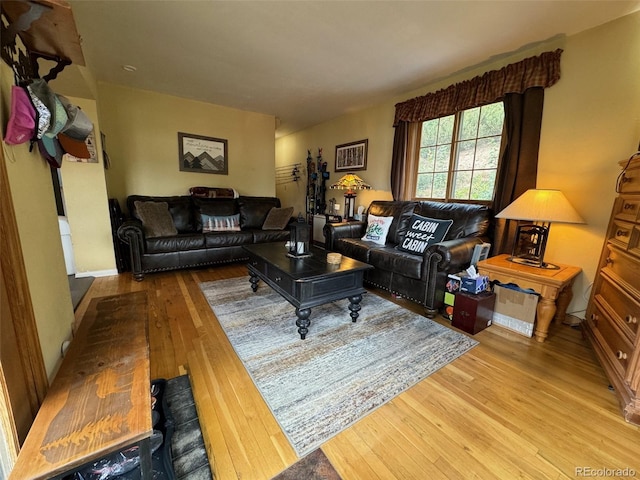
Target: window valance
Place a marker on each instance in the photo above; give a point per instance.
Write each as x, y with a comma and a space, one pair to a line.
540, 71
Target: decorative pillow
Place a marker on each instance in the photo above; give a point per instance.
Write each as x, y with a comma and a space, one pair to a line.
422, 232
225, 223
156, 219
377, 229
277, 218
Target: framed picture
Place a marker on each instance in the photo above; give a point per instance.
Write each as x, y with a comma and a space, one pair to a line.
202, 154
352, 156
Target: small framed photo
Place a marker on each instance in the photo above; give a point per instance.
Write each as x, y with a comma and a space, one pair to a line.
352, 156
202, 154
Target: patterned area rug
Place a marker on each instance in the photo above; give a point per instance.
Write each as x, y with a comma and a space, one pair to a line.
342, 371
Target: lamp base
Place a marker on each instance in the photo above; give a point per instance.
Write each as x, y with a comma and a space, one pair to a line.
533, 263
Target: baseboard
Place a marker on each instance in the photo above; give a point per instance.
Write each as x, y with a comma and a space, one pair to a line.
97, 273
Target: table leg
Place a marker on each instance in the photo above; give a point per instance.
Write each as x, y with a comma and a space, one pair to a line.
546, 310
354, 306
563, 301
254, 282
145, 459
303, 321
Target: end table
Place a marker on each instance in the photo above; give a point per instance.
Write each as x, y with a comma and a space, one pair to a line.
553, 285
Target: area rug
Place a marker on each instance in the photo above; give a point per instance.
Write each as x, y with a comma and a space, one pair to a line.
342, 371
315, 466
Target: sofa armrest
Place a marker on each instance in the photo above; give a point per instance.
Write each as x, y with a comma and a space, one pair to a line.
452, 256
334, 231
131, 230
132, 233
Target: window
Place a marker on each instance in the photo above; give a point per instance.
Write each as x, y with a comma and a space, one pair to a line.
458, 155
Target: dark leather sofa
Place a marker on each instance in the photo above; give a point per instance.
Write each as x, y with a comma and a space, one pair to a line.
190, 247
420, 278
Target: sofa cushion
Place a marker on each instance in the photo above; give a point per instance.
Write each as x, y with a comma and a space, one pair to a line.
180, 207
214, 207
254, 210
422, 232
156, 219
391, 259
220, 223
277, 218
175, 243
226, 239
401, 213
377, 229
469, 220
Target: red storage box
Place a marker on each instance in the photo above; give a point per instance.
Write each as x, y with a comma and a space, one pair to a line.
473, 313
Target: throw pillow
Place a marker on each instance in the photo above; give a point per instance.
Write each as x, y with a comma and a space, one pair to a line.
277, 218
377, 229
422, 232
224, 223
156, 219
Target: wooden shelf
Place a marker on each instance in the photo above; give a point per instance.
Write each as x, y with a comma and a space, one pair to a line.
53, 34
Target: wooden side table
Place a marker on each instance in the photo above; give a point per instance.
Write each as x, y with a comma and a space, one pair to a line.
553, 285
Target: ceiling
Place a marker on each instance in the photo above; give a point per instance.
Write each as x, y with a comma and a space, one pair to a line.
306, 62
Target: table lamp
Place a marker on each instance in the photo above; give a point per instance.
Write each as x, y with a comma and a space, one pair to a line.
541, 207
350, 183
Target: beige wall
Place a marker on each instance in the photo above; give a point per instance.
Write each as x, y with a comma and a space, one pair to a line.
591, 121
37, 219
141, 129
87, 208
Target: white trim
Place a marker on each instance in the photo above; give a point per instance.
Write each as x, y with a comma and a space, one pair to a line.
97, 273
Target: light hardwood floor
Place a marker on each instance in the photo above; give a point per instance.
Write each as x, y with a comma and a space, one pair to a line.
510, 408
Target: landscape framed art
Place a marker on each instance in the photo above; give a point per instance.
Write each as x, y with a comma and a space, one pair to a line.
201, 154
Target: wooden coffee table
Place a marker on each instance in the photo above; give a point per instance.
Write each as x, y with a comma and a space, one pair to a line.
307, 282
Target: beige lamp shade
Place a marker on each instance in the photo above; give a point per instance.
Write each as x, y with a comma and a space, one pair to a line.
540, 205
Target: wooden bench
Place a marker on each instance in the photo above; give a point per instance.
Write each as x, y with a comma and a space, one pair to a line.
100, 401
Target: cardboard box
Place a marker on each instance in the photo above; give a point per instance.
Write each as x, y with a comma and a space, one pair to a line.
474, 285
515, 310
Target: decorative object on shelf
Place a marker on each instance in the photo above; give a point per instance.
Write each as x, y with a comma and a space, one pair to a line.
542, 207
352, 156
350, 182
300, 238
334, 258
202, 154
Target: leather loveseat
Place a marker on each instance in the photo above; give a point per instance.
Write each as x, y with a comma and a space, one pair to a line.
418, 277
190, 243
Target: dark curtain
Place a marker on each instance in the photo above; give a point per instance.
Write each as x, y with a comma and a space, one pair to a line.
518, 158
398, 160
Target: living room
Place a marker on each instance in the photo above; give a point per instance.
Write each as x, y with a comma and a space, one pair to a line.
590, 124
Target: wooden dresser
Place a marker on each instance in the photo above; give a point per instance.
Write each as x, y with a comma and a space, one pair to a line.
613, 312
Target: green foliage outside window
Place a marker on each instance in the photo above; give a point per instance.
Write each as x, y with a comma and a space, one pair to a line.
459, 154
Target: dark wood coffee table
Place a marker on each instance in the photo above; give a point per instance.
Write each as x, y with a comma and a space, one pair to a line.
307, 282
